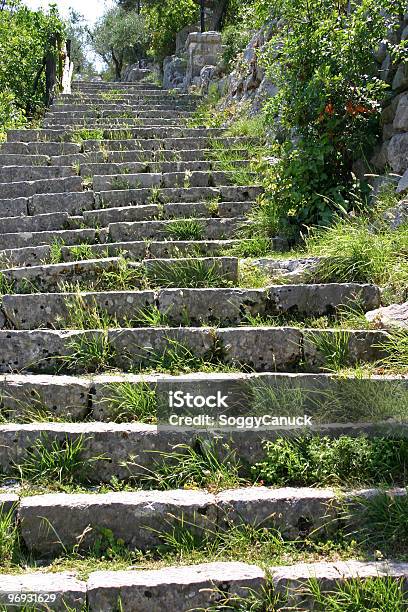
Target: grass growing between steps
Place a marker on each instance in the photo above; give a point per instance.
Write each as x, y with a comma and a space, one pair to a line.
184, 229
353, 595
132, 403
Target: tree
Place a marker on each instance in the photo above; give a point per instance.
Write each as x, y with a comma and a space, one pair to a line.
78, 34
119, 38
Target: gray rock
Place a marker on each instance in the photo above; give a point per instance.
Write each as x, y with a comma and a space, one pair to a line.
398, 215
400, 122
398, 152
136, 518
172, 588
400, 81
66, 591
395, 315
403, 183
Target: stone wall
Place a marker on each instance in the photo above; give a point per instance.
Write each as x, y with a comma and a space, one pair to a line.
392, 155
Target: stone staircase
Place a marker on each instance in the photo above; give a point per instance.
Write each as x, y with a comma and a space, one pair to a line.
117, 174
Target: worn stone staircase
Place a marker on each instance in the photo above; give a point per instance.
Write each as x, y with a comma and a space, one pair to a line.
109, 174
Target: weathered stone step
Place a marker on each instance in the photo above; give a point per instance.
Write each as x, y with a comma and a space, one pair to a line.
72, 203
26, 189
137, 156
13, 207
90, 398
38, 223
186, 588
13, 174
135, 518
64, 135
209, 228
222, 306
124, 169
224, 193
40, 148
12, 159
62, 591
259, 349
48, 277
149, 212
176, 588
116, 123
124, 111
32, 239
123, 104
165, 143
30, 256
166, 179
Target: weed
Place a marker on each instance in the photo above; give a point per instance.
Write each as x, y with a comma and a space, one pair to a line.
386, 594
82, 252
9, 538
155, 195
191, 273
84, 314
120, 183
333, 348
55, 256
184, 229
345, 461
60, 461
85, 134
251, 276
208, 464
132, 402
89, 352
395, 348
6, 286
251, 247
150, 316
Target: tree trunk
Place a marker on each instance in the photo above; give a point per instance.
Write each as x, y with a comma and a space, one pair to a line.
219, 14
118, 65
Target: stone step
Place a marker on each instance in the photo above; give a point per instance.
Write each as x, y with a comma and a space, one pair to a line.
149, 212
123, 104
186, 179
224, 193
30, 256
37, 223
175, 588
13, 174
122, 111
64, 135
48, 277
40, 148
124, 169
59, 591
209, 228
165, 143
116, 123
135, 156
139, 518
186, 588
26, 189
91, 399
13, 207
74, 203
222, 306
260, 349
32, 239
10, 159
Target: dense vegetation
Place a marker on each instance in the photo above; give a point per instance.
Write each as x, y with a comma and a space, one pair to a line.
25, 38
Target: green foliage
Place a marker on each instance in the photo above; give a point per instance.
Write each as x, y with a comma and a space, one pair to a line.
120, 37
25, 38
165, 18
184, 229
132, 402
330, 97
385, 594
346, 461
210, 465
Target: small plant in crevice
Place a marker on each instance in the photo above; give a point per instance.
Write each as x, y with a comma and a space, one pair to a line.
332, 347
85, 134
86, 314
385, 594
89, 352
83, 252
395, 348
132, 402
55, 461
120, 183
55, 256
150, 316
187, 273
208, 464
184, 229
10, 539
